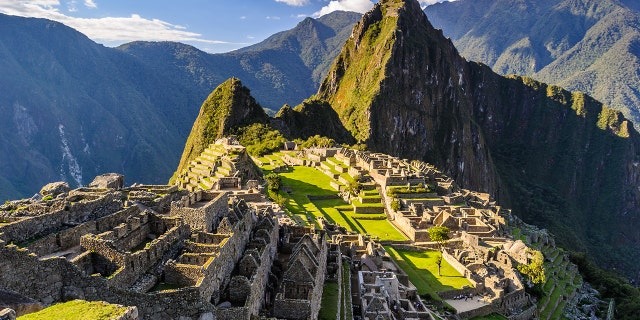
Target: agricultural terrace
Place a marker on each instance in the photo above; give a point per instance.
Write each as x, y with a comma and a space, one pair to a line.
308, 195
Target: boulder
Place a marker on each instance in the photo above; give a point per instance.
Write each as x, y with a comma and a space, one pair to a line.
108, 181
54, 189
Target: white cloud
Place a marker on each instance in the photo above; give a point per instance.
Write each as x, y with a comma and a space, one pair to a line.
425, 3
107, 29
71, 6
272, 18
361, 6
90, 4
296, 3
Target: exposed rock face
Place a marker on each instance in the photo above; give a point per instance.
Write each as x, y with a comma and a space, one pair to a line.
55, 188
560, 159
311, 117
230, 105
108, 181
586, 45
399, 86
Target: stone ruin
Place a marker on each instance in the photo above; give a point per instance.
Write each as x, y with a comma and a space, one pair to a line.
170, 252
211, 248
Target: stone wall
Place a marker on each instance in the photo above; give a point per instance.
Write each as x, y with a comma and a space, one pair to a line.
45, 224
203, 210
259, 277
57, 279
292, 308
367, 210
216, 274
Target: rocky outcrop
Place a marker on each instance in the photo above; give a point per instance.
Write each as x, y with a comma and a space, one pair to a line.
309, 118
401, 88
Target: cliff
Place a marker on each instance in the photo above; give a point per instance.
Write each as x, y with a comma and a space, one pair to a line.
560, 159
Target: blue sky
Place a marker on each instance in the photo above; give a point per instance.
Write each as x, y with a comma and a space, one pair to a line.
210, 25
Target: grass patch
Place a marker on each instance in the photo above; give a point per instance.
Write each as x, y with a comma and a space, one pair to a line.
381, 229
493, 316
423, 271
346, 312
78, 309
330, 299
302, 182
357, 203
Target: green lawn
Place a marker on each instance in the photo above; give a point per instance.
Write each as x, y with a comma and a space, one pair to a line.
78, 309
423, 271
303, 181
493, 316
330, 299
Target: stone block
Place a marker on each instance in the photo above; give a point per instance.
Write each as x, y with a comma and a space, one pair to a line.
55, 188
108, 181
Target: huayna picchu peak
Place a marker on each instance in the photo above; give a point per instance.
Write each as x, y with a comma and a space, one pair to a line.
413, 185
558, 158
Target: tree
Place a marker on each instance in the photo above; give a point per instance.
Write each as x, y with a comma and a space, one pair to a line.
439, 234
354, 186
395, 204
274, 182
439, 262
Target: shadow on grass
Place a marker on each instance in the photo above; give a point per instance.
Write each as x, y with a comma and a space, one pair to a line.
426, 275
350, 223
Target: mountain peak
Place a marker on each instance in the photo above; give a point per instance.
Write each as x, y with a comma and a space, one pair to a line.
229, 106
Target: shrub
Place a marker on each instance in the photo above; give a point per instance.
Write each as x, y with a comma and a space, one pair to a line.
395, 205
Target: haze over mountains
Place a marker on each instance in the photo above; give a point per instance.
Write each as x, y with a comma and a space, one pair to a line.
586, 45
75, 109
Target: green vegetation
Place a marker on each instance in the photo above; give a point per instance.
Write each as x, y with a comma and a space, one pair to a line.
47, 198
346, 312
395, 204
274, 182
393, 191
422, 271
359, 65
260, 139
439, 234
611, 286
535, 269
301, 183
330, 300
229, 106
493, 316
315, 141
78, 309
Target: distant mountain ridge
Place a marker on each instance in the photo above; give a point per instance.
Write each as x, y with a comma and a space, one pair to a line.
74, 109
584, 45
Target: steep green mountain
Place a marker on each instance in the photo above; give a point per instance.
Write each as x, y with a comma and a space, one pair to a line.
229, 106
559, 159
585, 45
74, 109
